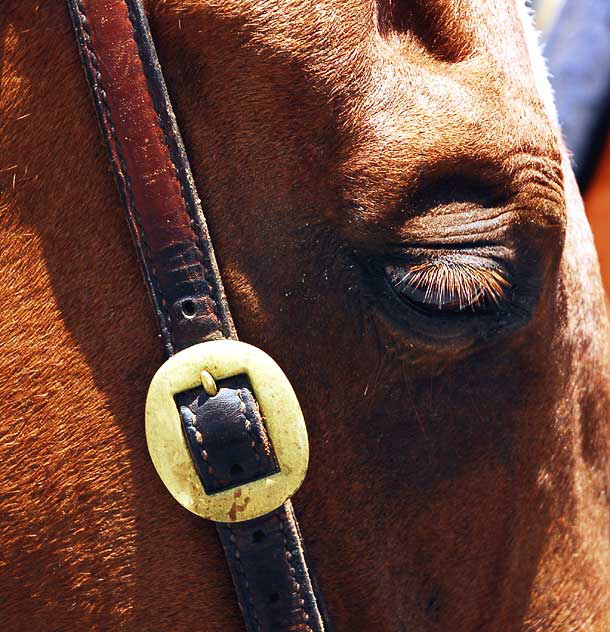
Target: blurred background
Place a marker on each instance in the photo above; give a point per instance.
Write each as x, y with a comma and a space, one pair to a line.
576, 43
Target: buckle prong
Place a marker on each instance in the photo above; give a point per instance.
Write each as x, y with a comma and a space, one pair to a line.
208, 383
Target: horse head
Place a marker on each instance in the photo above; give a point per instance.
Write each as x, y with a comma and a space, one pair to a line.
397, 224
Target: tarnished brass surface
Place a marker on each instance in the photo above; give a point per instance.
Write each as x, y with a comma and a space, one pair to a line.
279, 408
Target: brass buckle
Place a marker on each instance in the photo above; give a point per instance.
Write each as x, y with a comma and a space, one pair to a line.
280, 410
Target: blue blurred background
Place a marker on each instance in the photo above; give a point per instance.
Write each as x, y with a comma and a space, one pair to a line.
576, 40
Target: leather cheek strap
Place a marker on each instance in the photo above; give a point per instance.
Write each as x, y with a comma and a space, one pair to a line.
266, 556
225, 433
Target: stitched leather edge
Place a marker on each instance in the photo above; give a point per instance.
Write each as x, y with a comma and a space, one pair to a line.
177, 153
94, 75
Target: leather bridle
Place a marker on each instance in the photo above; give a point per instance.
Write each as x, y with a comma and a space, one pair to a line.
223, 425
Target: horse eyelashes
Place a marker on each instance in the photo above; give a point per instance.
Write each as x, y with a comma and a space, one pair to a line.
448, 285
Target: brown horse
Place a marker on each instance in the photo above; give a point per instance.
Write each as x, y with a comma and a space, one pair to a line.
457, 406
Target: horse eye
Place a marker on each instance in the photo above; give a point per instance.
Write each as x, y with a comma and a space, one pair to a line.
447, 285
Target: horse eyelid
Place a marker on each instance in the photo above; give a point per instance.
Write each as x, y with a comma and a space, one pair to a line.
448, 285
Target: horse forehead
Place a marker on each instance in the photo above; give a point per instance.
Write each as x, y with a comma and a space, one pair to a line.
351, 50
381, 54
307, 26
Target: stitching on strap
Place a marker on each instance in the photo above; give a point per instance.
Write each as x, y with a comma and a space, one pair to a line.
198, 237
297, 595
245, 583
109, 128
249, 427
192, 420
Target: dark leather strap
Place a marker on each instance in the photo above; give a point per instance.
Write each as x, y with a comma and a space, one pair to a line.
230, 418
225, 432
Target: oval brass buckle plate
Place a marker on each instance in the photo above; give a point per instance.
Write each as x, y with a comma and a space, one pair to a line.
281, 413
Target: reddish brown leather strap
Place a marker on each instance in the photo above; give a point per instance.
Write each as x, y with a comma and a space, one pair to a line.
225, 432
153, 175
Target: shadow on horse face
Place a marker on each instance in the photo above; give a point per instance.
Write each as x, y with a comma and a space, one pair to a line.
329, 141
337, 140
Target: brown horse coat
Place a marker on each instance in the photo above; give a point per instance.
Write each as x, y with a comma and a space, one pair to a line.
459, 475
